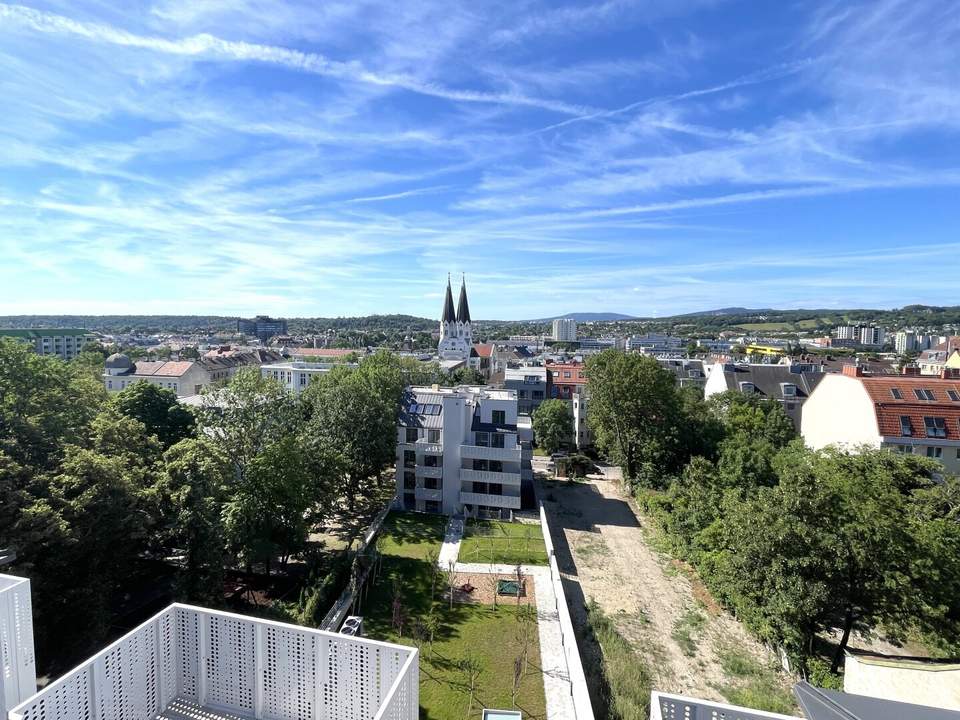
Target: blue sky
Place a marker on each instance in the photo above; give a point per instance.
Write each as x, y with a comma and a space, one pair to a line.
339, 158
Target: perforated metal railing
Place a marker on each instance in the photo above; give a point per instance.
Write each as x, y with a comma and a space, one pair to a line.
679, 707
18, 674
189, 657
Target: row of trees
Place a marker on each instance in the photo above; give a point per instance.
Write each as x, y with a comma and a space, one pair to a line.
97, 492
801, 545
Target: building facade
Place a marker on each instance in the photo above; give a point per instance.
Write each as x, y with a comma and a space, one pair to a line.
295, 376
566, 379
909, 413
531, 383
565, 330
788, 384
262, 327
64, 343
456, 334
458, 451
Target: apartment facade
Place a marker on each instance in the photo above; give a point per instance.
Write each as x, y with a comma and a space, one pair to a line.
531, 383
295, 376
909, 413
688, 372
64, 343
458, 451
582, 434
262, 327
788, 384
566, 379
564, 330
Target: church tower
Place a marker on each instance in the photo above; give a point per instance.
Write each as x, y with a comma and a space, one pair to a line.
455, 331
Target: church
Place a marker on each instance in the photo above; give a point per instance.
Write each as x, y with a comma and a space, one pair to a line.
456, 339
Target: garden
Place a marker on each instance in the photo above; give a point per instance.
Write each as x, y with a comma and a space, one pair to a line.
503, 543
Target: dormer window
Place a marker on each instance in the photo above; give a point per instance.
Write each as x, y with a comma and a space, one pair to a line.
747, 387
906, 428
788, 389
936, 427
897, 395
953, 395
924, 394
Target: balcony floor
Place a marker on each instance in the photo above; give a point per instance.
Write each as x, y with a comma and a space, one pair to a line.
188, 710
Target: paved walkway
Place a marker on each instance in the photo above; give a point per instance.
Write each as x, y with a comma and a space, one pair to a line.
450, 550
553, 661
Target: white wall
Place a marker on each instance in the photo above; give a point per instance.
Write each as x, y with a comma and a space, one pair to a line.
839, 412
903, 681
18, 671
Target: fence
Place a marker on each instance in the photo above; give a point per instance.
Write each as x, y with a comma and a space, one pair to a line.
679, 707
191, 659
18, 672
578, 681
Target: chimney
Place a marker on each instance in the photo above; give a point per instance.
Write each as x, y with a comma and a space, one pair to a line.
911, 370
948, 373
853, 371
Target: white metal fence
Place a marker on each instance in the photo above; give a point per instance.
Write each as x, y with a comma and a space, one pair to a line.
18, 673
195, 657
679, 707
578, 681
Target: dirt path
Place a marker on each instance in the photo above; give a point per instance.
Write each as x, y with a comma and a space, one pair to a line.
671, 621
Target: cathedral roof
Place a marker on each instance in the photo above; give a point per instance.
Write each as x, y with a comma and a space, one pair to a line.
448, 314
463, 309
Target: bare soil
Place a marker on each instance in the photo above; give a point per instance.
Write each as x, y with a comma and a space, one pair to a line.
656, 603
483, 590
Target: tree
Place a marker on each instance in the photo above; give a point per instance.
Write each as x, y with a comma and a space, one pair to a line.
158, 409
467, 376
634, 410
471, 667
552, 424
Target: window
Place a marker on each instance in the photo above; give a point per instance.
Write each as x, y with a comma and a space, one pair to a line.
480, 465
409, 458
430, 460
538, 394
953, 395
897, 395
499, 417
934, 452
433, 436
566, 373
747, 387
924, 394
496, 440
109, 384
496, 466
906, 429
409, 481
412, 435
936, 427
482, 439
495, 489
522, 394
789, 389
530, 379
790, 406
432, 483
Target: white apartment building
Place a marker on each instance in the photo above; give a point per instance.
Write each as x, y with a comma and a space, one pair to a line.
458, 451
905, 341
295, 376
582, 434
565, 330
64, 343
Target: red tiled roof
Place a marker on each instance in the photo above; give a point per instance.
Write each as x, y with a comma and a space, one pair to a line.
322, 352
174, 368
889, 409
483, 349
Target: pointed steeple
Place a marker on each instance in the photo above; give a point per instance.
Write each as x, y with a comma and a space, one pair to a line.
448, 314
463, 309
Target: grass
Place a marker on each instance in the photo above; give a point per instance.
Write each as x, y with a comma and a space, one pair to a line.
686, 629
506, 543
491, 638
624, 680
754, 685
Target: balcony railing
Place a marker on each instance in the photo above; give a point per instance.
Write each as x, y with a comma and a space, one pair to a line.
432, 494
429, 472
489, 476
505, 501
18, 671
428, 447
190, 662
480, 452
674, 707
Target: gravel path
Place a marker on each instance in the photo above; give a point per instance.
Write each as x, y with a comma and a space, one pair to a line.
650, 598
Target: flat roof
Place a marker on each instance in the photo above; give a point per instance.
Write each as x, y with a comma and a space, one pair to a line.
32, 333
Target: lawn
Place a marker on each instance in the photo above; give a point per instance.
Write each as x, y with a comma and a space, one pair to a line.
506, 543
494, 639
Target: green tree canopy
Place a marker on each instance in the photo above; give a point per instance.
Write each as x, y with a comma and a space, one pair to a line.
552, 424
158, 409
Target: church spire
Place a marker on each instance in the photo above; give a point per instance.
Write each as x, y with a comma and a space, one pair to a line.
463, 309
448, 314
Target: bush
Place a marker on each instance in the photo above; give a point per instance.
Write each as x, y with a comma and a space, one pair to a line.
626, 681
819, 674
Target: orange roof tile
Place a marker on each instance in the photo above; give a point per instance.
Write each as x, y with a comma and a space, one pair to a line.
889, 409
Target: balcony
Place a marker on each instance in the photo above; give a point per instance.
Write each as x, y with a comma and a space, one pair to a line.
479, 452
189, 662
428, 447
505, 501
489, 476
668, 707
429, 472
422, 493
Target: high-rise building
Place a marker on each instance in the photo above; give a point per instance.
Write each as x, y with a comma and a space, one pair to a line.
456, 336
565, 330
262, 327
63, 342
906, 341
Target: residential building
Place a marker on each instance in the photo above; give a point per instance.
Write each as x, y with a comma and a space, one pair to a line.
531, 383
909, 413
654, 344
189, 662
481, 359
295, 376
591, 344
565, 330
184, 377
790, 384
688, 371
939, 356
565, 379
858, 335
456, 336
582, 434
323, 354
458, 451
262, 327
905, 341
63, 342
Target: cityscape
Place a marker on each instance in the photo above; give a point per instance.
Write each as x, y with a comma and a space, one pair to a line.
445, 361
